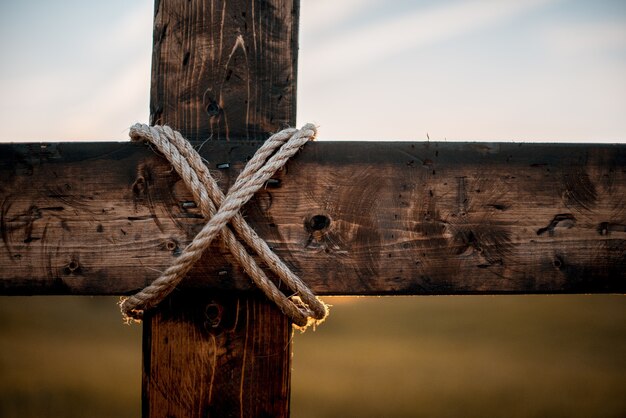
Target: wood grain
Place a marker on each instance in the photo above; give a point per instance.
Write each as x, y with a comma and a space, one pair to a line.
403, 218
216, 356
225, 69
220, 69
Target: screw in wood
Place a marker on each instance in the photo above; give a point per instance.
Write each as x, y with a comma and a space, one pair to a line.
171, 245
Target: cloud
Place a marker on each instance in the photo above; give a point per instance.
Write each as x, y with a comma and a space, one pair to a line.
122, 99
320, 16
89, 89
507, 83
108, 111
337, 56
583, 38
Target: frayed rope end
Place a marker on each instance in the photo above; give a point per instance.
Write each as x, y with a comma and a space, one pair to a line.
132, 317
313, 322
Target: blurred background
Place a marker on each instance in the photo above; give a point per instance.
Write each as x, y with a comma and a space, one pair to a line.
462, 356
537, 70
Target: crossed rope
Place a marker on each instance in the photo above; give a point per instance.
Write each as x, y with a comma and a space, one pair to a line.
302, 306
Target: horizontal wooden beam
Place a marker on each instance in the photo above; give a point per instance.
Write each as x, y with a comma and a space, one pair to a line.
349, 217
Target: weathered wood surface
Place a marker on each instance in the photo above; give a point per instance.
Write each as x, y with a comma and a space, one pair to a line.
219, 69
224, 69
216, 356
403, 218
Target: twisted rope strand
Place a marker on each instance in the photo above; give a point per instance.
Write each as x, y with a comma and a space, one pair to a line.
194, 173
162, 137
318, 309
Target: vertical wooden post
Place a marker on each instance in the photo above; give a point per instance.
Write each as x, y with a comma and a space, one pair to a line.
221, 70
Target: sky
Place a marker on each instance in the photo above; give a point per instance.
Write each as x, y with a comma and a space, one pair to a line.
486, 70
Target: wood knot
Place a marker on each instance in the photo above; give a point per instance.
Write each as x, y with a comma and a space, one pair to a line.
212, 108
139, 185
213, 314
318, 223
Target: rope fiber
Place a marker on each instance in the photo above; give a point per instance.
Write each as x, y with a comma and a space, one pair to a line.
301, 306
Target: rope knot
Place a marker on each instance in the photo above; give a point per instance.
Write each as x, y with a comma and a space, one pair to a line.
301, 306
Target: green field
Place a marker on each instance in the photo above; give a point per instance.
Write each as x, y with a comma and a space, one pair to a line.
509, 356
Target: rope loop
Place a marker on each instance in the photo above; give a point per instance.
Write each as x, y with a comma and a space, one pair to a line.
301, 305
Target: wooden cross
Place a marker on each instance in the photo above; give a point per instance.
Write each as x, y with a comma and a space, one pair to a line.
361, 218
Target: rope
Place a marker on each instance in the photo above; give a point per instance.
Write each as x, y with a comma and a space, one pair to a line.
302, 306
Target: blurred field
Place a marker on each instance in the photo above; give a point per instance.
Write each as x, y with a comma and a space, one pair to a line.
68, 357
505, 356
509, 356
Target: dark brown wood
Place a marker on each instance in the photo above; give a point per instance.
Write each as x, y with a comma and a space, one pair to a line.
223, 69
358, 218
216, 356
220, 69
403, 218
